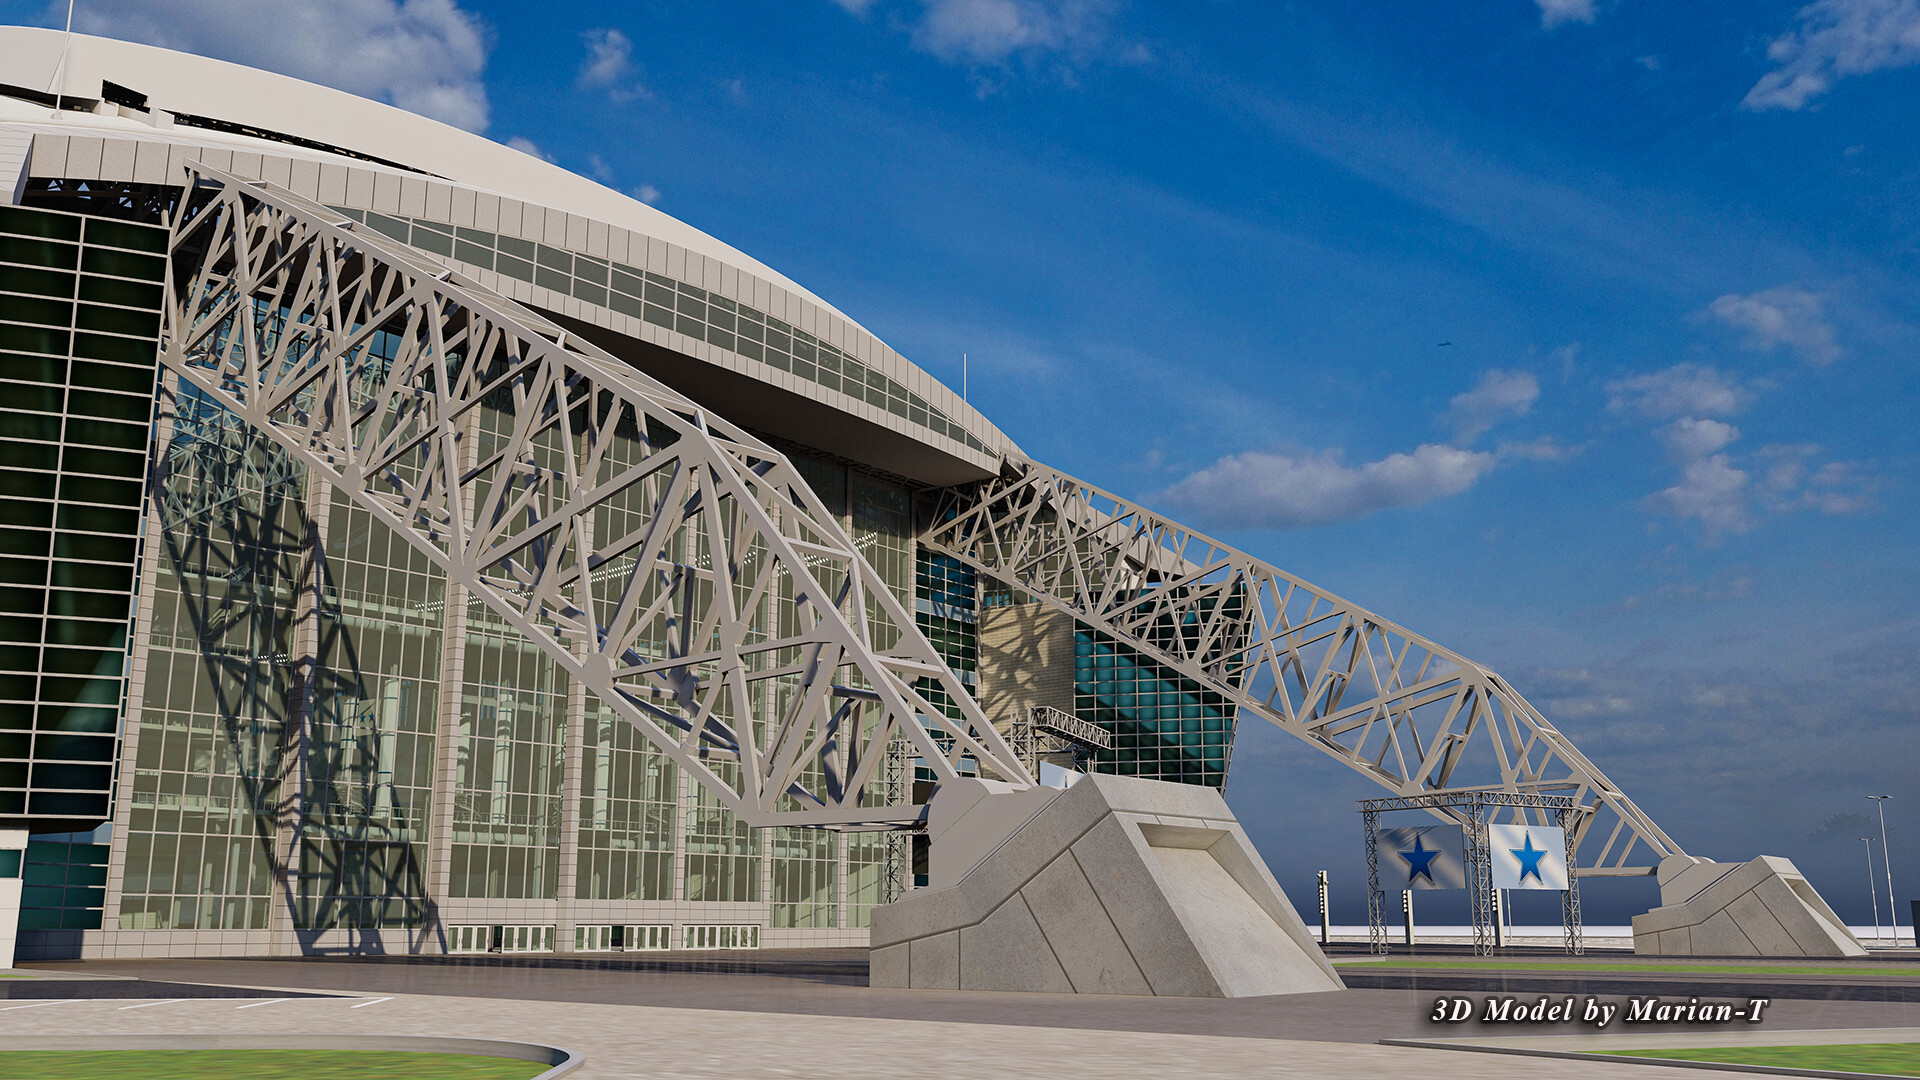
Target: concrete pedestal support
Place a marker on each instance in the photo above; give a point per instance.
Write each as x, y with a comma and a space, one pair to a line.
1116, 886
1761, 908
13, 855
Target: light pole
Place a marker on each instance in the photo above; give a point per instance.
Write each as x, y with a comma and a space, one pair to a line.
1873, 891
1886, 857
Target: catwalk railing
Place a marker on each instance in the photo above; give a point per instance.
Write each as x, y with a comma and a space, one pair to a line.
676, 566
1401, 710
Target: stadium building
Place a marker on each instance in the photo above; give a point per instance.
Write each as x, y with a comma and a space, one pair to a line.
409, 546
233, 717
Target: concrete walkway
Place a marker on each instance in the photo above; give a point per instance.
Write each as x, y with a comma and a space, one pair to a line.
1362, 1016
624, 1041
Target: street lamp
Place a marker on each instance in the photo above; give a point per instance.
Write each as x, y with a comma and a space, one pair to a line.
1873, 891
1886, 856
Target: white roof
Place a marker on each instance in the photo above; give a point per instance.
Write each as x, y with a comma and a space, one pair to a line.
183, 83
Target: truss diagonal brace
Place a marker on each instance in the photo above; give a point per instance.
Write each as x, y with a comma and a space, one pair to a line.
675, 565
1408, 714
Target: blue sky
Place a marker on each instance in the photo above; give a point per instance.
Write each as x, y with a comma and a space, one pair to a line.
1207, 254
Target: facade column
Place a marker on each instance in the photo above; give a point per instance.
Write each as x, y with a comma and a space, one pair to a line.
448, 713
573, 738
139, 652
684, 793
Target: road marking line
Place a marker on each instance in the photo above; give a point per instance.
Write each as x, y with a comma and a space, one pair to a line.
151, 1004
364, 1004
257, 1004
37, 1004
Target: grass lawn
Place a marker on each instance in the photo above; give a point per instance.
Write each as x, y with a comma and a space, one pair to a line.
1576, 966
258, 1065
1891, 1059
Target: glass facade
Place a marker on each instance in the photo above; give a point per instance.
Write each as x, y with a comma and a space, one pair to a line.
672, 305
79, 303
63, 881
1164, 726
629, 803
323, 738
211, 746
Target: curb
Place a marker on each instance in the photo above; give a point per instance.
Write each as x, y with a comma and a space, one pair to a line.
560, 1061
1623, 1059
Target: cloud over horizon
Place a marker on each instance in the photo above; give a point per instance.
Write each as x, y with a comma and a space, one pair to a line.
1293, 489
1722, 493
1267, 490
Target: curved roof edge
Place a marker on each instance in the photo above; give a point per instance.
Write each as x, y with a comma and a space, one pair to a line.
263, 111
185, 83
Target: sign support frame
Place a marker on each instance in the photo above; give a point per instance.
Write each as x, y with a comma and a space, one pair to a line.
1473, 811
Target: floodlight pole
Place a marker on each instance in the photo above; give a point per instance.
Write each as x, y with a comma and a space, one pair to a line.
1326, 934
1886, 858
1873, 891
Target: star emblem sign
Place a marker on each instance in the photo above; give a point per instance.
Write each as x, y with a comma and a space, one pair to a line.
1419, 860
1529, 859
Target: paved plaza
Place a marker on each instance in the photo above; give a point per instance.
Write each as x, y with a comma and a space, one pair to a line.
628, 1021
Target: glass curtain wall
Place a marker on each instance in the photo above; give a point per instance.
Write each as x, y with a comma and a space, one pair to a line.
371, 741
215, 714
79, 317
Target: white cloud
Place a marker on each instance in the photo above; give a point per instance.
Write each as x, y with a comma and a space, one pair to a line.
1792, 481
528, 146
1689, 439
855, 7
1497, 396
609, 65
1834, 39
1782, 316
1684, 389
1272, 489
1555, 12
647, 193
991, 31
425, 56
1724, 496
1543, 448
1264, 490
1711, 491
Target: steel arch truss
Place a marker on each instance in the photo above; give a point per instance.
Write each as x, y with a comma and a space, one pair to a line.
1401, 710
676, 566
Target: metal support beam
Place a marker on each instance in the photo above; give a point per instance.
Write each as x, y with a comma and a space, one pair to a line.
675, 566
1399, 709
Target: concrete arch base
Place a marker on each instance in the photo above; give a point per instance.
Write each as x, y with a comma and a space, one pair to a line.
1761, 908
1116, 886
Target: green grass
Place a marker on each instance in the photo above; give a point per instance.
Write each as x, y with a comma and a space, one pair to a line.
1890, 1059
1721, 969
258, 1065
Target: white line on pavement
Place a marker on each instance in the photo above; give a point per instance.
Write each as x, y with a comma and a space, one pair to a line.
364, 1004
37, 1004
257, 1004
151, 1004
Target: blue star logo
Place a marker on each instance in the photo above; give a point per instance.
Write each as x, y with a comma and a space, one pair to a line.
1529, 860
1419, 861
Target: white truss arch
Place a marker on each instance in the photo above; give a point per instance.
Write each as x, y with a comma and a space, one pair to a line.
673, 564
1401, 710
